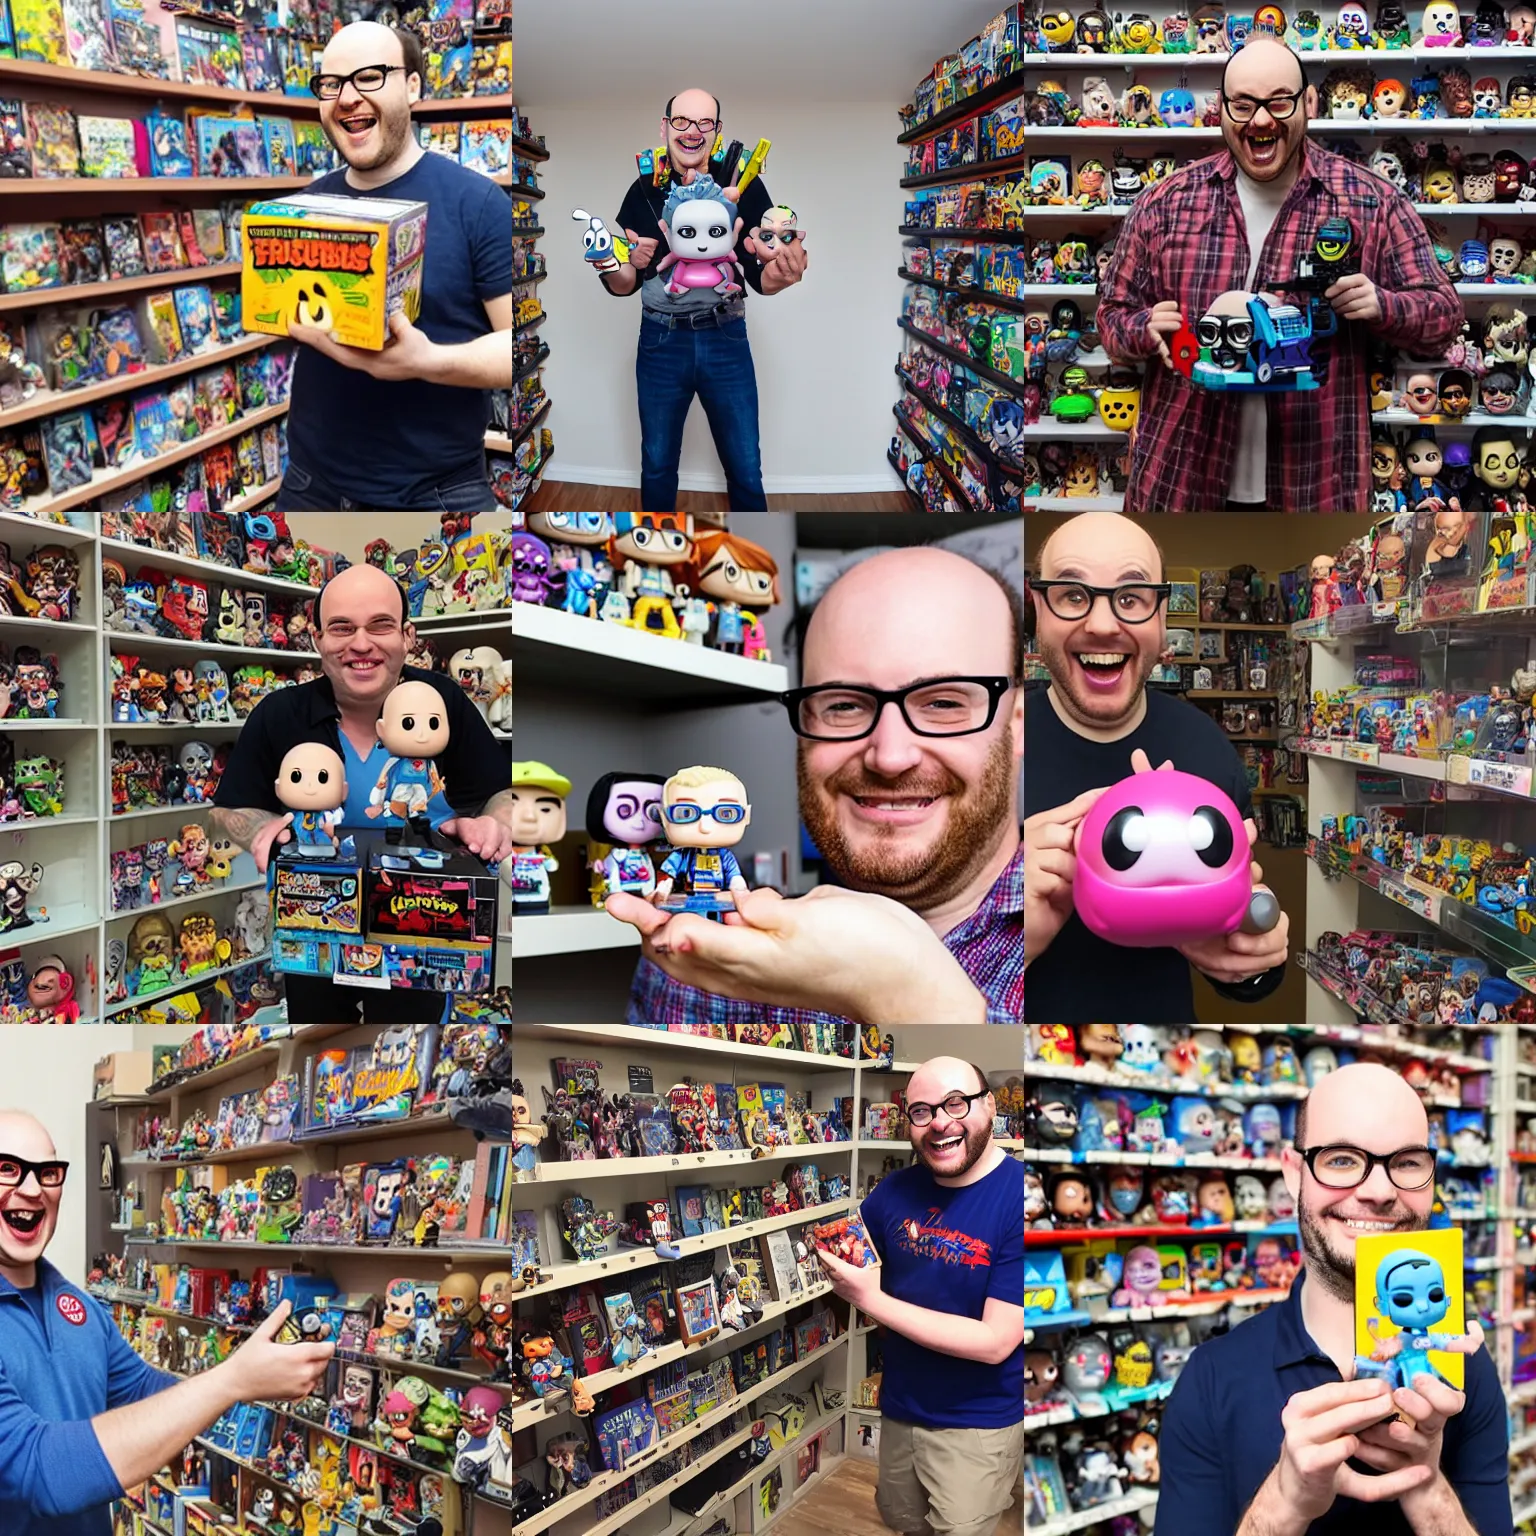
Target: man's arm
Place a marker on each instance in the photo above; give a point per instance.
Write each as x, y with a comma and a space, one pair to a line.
990, 1339
240, 826
1126, 293
484, 363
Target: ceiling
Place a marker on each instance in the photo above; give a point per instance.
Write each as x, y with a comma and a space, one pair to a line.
571, 51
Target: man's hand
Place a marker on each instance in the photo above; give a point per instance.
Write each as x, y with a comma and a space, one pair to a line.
1050, 867
850, 1281
408, 354
487, 838
267, 837
262, 1370
1232, 957
847, 952
1164, 319
640, 250
1323, 1427
783, 267
1355, 298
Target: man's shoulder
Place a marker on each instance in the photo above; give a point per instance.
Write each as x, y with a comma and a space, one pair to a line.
1169, 712
1187, 180
1342, 174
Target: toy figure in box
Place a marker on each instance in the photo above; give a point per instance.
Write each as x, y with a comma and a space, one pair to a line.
414, 726
384, 1186
279, 1212
705, 811
1410, 1289
538, 819
624, 810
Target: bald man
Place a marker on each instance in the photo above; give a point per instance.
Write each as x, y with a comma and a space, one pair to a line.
1100, 611
72, 1437
364, 634
402, 428
1244, 219
910, 725
949, 1231
1269, 1432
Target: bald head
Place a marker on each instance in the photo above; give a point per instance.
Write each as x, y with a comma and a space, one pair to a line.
1262, 66
360, 585
944, 1074
1365, 1105
360, 43
966, 627
23, 1135
1101, 538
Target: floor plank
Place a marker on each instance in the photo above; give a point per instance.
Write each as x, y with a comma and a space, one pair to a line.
568, 496
843, 1504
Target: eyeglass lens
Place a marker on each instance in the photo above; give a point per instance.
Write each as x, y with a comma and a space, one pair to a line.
14, 1171
934, 709
1345, 1167
1134, 603
956, 1106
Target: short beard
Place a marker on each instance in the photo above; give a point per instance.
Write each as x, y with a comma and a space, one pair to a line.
1064, 679
394, 130
976, 1144
922, 880
1331, 1270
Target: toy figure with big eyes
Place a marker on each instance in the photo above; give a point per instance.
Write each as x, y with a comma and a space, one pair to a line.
1411, 1293
1442, 25
1142, 1050
700, 227
1194, 1123
1042, 1374
1088, 1361
779, 229
1163, 860
1050, 1120
624, 810
1141, 1280
312, 783
1071, 1199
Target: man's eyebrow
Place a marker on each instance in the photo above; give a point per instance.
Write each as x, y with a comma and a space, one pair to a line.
1074, 572
916, 682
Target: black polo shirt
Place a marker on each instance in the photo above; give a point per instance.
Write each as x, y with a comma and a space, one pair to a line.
1222, 1434
473, 766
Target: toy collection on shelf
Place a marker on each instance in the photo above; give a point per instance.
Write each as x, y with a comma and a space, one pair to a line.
43, 995
594, 1328
515, 478
466, 46
164, 953
649, 571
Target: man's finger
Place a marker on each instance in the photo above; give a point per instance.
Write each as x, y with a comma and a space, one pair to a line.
637, 911
1067, 815
275, 1320
1383, 1487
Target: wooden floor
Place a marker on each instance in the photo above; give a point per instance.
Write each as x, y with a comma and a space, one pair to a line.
843, 1504
567, 496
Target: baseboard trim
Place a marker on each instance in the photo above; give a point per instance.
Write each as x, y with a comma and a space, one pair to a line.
775, 485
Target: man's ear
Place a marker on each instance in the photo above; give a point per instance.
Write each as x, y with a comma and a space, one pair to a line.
413, 92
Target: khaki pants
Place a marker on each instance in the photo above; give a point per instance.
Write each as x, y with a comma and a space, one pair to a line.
947, 1482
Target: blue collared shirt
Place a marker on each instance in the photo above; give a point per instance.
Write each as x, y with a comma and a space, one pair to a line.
1222, 1434
54, 1378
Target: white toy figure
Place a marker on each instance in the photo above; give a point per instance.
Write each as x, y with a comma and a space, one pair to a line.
414, 727
700, 226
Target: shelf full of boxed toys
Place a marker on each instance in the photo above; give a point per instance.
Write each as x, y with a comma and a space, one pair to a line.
440, 1215
144, 762
529, 444
687, 1292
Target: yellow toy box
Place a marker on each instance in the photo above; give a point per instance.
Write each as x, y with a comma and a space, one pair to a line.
344, 264
1410, 1316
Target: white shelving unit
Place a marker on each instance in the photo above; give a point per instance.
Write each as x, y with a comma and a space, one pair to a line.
76, 887
611, 1183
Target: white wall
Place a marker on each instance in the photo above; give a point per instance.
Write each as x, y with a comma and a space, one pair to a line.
824, 350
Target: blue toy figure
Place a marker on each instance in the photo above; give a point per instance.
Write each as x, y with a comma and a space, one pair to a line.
312, 783
703, 811
1410, 1292
414, 727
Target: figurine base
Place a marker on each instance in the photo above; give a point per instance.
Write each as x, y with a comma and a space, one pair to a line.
709, 904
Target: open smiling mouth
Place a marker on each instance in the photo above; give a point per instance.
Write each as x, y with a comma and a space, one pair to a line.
357, 124
945, 1143
1263, 147
1103, 669
23, 1223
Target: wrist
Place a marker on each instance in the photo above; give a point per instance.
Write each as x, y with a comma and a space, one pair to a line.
1277, 1511
922, 992
1431, 1507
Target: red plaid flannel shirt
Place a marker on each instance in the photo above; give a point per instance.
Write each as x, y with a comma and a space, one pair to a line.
1185, 239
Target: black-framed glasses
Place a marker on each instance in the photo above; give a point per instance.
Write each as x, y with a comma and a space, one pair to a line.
956, 1105
703, 124
940, 706
14, 1171
686, 814
1343, 1167
1132, 602
1279, 106
368, 79
345, 629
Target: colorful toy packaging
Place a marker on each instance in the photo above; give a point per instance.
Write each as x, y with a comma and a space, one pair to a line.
1410, 1307
342, 264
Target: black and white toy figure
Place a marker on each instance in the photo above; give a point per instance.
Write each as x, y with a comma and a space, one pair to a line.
312, 783
483, 1103
1496, 467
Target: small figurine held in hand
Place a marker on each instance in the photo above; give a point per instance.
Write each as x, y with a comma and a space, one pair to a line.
414, 726
705, 813
312, 783
701, 227
606, 251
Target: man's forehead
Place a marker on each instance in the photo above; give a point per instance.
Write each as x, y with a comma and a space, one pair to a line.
691, 103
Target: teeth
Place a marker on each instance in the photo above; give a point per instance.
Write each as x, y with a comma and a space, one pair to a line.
1369, 1226
1100, 658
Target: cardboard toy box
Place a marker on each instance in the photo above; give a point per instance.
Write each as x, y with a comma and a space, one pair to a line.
366, 921
344, 264
123, 1074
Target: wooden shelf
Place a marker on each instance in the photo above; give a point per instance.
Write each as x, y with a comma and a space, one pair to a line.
98, 485
48, 401
159, 185
446, 106
142, 85
85, 293
1229, 693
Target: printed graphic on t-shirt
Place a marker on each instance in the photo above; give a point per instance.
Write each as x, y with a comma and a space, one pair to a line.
929, 1240
71, 1309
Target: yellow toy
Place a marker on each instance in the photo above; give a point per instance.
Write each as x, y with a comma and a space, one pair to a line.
341, 264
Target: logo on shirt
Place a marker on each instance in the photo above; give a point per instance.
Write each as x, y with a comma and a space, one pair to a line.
928, 1240
71, 1309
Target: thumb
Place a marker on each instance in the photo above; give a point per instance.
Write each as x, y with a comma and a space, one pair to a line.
632, 237
1140, 762
399, 326
278, 1316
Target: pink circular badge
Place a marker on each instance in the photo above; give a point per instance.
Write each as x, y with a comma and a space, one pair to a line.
71, 1309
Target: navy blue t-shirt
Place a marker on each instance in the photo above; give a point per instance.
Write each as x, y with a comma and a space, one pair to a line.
386, 444
950, 1250
1222, 1434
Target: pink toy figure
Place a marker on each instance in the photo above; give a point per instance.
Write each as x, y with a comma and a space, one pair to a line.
700, 226
755, 644
1163, 860
1140, 1280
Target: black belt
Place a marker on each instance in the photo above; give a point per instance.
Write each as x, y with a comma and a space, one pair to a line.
701, 319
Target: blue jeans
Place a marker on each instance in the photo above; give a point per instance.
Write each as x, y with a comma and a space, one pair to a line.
671, 367
304, 491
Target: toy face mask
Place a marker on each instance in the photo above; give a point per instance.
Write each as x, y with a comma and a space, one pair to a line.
1422, 394
1498, 464
780, 227
1455, 392
1389, 98
1504, 256
1498, 390
1162, 859
1423, 459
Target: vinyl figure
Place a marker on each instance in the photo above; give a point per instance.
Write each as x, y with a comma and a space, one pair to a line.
1410, 1292
538, 819
741, 578
312, 783
624, 809
414, 727
700, 227
705, 813
643, 548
